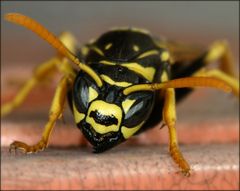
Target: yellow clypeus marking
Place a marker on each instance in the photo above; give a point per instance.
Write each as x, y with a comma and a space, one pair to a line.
165, 56
126, 104
148, 53
92, 94
107, 62
77, 116
128, 132
106, 109
147, 72
112, 82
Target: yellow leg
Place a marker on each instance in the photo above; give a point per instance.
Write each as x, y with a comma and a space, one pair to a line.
40, 73
54, 114
169, 116
220, 50
217, 73
69, 41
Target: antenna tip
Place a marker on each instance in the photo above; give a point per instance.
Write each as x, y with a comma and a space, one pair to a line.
14, 17
8, 16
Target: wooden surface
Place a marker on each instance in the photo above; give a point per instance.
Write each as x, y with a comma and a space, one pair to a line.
214, 166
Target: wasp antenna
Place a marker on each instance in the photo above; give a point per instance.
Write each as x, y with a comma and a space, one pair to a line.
40, 30
188, 82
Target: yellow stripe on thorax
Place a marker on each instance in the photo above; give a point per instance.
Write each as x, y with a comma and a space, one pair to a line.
107, 62
148, 53
112, 82
97, 50
109, 45
165, 56
136, 48
147, 72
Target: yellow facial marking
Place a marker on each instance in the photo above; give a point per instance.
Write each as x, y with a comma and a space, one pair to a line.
112, 82
128, 132
97, 50
109, 45
135, 48
164, 76
148, 53
92, 94
147, 72
127, 104
107, 62
165, 56
77, 116
106, 109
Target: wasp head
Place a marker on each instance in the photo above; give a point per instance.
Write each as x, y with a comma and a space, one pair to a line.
104, 114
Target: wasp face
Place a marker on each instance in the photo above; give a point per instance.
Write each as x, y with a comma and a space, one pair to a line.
105, 116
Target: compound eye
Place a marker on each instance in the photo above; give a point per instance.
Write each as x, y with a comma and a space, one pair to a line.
137, 107
85, 91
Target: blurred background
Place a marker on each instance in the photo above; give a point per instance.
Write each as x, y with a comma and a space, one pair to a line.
195, 22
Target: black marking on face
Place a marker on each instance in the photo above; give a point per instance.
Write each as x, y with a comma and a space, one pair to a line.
100, 142
102, 119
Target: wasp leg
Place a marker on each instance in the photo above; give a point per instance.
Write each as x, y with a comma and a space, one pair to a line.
55, 113
57, 103
39, 75
220, 50
41, 72
69, 41
169, 116
217, 73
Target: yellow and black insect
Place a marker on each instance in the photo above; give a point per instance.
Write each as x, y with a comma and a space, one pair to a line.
126, 78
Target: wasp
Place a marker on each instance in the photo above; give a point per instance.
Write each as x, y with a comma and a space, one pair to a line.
123, 83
